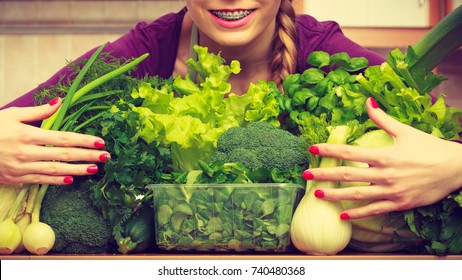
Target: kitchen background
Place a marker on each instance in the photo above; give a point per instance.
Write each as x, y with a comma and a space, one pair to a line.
38, 37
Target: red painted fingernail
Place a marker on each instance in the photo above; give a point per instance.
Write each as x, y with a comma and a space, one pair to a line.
319, 194
314, 150
68, 180
104, 157
344, 216
374, 103
307, 175
99, 144
54, 101
92, 169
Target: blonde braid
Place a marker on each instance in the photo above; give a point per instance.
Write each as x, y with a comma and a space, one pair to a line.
284, 55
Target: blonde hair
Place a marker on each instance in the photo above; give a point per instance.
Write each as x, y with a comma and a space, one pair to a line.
284, 57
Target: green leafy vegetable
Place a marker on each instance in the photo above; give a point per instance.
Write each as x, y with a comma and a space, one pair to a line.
119, 188
332, 92
155, 129
189, 117
224, 217
317, 102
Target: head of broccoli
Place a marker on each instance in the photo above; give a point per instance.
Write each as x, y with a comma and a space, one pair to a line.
262, 145
80, 227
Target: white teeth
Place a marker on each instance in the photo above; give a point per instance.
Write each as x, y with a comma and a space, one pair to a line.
229, 15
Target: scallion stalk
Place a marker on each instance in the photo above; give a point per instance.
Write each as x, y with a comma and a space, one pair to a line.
54, 122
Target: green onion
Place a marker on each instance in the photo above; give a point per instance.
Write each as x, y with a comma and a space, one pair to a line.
54, 122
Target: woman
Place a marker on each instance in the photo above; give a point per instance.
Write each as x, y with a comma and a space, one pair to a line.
263, 35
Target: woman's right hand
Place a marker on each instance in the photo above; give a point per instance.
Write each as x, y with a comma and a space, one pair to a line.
29, 154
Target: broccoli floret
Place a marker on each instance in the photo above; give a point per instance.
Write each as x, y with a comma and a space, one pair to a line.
79, 226
240, 154
261, 145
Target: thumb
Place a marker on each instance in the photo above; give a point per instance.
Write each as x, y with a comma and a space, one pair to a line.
384, 121
37, 113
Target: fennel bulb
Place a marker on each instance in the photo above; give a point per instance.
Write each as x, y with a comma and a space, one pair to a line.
379, 233
316, 227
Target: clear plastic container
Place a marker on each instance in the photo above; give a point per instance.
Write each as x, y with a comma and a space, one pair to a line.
225, 217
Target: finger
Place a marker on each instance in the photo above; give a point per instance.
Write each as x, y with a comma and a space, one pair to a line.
372, 209
347, 152
357, 193
63, 154
40, 136
384, 121
41, 179
56, 169
35, 113
342, 174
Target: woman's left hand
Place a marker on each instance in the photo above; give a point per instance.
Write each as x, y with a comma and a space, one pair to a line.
417, 170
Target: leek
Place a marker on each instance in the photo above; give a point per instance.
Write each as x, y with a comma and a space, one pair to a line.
416, 64
441, 41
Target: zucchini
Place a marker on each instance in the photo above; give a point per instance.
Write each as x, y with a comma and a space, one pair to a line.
138, 234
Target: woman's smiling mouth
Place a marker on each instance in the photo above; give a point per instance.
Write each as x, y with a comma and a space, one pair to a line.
231, 15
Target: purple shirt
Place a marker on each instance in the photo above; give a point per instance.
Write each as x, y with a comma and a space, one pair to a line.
160, 39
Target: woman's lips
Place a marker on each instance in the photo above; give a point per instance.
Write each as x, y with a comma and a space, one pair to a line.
231, 15
232, 18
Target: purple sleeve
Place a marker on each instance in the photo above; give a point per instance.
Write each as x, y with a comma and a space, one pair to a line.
327, 36
122, 47
159, 39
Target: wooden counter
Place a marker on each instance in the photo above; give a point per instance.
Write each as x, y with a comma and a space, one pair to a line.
167, 256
